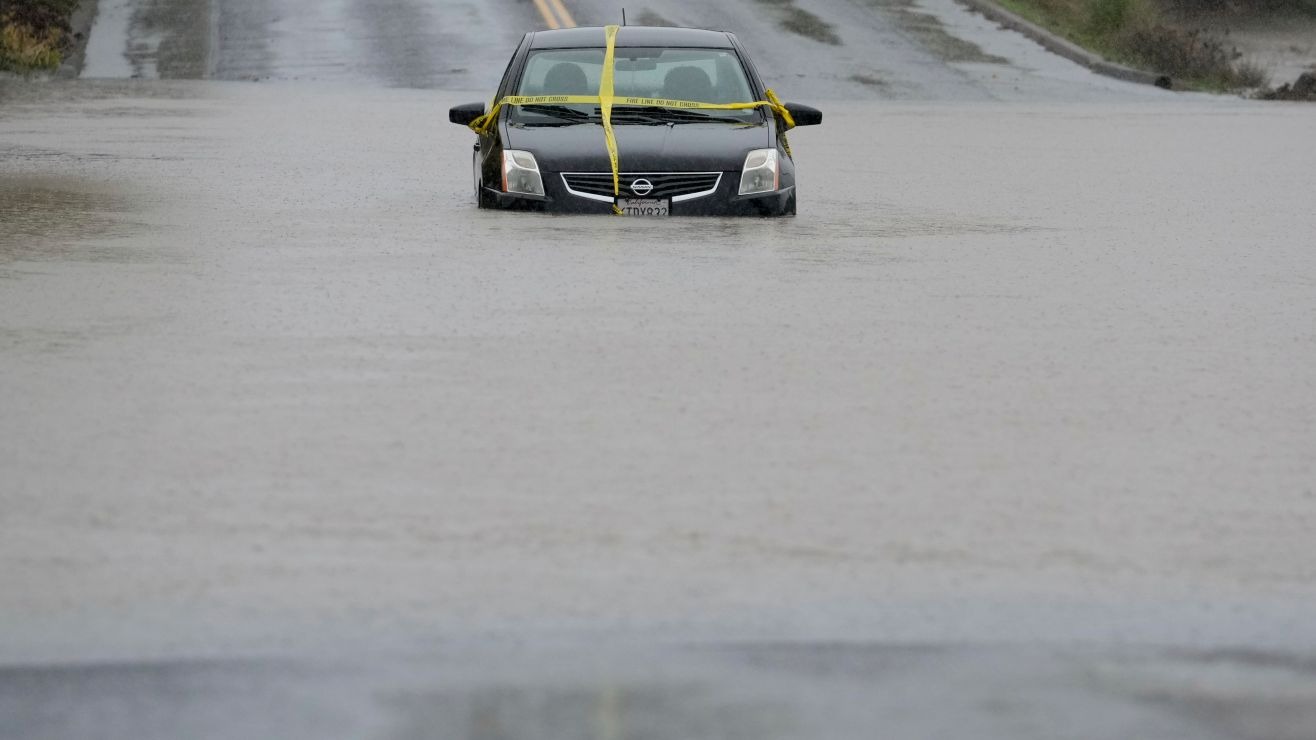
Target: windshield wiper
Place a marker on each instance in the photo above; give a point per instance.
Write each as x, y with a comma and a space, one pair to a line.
558, 111
678, 115
634, 114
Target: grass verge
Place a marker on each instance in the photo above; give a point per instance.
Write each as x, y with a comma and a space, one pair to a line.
34, 34
1157, 36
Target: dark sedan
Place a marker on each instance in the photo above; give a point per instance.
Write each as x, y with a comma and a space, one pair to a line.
692, 127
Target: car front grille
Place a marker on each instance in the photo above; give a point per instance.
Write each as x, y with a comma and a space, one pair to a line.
678, 186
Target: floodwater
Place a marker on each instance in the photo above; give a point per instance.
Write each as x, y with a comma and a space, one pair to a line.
1009, 434
1022, 401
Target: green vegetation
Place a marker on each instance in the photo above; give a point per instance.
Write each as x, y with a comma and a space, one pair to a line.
1158, 35
34, 34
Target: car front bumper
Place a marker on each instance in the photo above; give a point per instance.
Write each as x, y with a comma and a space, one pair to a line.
725, 201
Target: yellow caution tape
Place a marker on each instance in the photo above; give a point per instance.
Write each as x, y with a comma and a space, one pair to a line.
607, 100
484, 124
606, 91
775, 103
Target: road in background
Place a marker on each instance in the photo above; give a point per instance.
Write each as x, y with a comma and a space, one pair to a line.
846, 49
1009, 431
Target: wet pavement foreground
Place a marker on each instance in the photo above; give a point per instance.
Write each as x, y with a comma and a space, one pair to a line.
761, 692
1010, 430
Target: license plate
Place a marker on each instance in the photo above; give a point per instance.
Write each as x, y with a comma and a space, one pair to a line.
644, 206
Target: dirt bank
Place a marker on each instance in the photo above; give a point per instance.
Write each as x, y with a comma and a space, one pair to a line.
1224, 50
1281, 44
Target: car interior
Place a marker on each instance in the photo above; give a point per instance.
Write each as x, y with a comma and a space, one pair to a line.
706, 76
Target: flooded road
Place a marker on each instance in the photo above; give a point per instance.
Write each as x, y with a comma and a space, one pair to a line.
1010, 429
1021, 375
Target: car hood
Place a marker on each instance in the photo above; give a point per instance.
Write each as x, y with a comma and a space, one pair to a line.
686, 147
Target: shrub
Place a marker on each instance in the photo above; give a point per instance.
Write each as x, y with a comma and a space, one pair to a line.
1193, 55
22, 48
40, 14
1112, 20
34, 33
1107, 17
1251, 75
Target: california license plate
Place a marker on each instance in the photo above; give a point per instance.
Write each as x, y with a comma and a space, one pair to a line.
644, 206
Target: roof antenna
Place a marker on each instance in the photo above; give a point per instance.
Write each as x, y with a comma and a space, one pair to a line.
623, 16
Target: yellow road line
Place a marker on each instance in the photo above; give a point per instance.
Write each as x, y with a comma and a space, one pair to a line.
549, 20
563, 15
555, 14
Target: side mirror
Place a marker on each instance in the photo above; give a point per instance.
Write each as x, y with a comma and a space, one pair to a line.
463, 115
804, 115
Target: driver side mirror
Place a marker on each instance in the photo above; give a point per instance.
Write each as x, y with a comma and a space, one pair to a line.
804, 115
464, 114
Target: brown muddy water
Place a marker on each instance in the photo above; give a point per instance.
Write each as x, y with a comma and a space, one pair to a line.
54, 218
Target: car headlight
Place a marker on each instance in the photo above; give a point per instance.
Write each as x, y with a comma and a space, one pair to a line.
761, 175
521, 173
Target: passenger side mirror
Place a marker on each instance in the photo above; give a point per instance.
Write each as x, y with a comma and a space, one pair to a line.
464, 114
804, 115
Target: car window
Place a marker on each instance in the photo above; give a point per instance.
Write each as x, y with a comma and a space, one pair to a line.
702, 75
562, 72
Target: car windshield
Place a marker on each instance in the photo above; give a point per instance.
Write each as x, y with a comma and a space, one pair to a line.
700, 75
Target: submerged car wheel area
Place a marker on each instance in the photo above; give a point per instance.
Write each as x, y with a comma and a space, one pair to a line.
635, 121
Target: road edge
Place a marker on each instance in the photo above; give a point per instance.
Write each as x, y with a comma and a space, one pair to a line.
1064, 47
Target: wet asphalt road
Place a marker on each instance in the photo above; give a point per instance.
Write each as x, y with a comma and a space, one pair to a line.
842, 49
1009, 434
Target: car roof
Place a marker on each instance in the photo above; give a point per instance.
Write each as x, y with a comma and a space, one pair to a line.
591, 37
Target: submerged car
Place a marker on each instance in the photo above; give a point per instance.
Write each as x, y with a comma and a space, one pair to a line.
694, 130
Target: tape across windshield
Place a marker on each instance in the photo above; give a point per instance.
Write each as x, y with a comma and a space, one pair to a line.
607, 99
